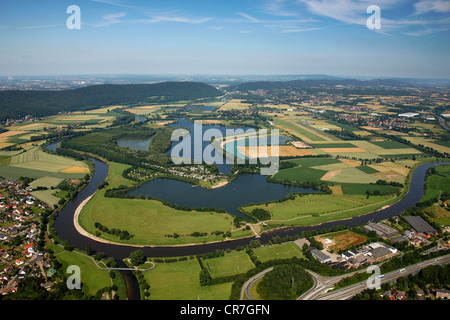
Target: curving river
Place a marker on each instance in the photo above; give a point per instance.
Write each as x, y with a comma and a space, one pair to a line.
65, 228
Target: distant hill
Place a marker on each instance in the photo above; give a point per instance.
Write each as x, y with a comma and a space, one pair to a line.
311, 83
18, 103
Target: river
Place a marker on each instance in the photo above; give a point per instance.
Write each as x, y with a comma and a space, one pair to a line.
65, 228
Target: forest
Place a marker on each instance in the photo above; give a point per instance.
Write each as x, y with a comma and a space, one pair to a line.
15, 104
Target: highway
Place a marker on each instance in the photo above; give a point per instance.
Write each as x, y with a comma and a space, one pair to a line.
350, 291
323, 285
442, 122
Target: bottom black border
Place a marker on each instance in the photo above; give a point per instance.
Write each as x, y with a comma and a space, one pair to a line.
226, 309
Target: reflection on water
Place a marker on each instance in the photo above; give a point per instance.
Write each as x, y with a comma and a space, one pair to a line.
135, 144
246, 189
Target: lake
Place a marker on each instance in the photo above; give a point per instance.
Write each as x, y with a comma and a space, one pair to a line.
246, 189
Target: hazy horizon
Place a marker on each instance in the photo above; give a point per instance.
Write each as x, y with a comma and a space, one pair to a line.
247, 37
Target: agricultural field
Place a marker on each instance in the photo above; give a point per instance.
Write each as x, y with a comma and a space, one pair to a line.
341, 171
233, 263
442, 147
21, 133
180, 281
361, 149
36, 163
234, 104
340, 241
295, 128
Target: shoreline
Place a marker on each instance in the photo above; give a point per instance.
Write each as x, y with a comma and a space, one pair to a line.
265, 232
86, 234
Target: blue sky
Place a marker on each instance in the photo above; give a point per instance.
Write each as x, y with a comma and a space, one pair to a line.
226, 37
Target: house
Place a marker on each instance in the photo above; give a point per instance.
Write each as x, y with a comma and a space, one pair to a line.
8, 290
400, 295
19, 262
29, 248
442, 294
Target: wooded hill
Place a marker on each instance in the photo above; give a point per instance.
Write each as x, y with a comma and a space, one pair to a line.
344, 86
18, 103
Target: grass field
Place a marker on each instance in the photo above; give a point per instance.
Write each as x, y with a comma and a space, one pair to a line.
317, 208
46, 196
149, 220
92, 278
231, 264
437, 183
279, 251
180, 281
439, 215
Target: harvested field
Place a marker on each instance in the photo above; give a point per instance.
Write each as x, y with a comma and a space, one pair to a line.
46, 182
283, 151
352, 163
352, 175
342, 240
8, 134
337, 190
76, 169
330, 175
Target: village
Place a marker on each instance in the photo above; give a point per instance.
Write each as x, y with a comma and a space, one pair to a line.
20, 253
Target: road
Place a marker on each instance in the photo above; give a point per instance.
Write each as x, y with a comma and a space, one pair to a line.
350, 291
442, 122
246, 287
323, 285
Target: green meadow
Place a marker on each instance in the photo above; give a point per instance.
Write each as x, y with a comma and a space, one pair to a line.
230, 264
278, 251
180, 281
317, 208
151, 222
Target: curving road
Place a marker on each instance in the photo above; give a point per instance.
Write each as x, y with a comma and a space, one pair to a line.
323, 292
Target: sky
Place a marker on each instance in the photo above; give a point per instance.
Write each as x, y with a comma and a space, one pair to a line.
232, 37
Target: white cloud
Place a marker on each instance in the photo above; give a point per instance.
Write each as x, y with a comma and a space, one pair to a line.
110, 19
425, 6
246, 16
112, 3
300, 30
426, 31
179, 19
278, 8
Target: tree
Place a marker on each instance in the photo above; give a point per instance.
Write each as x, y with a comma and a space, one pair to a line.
137, 257
205, 278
